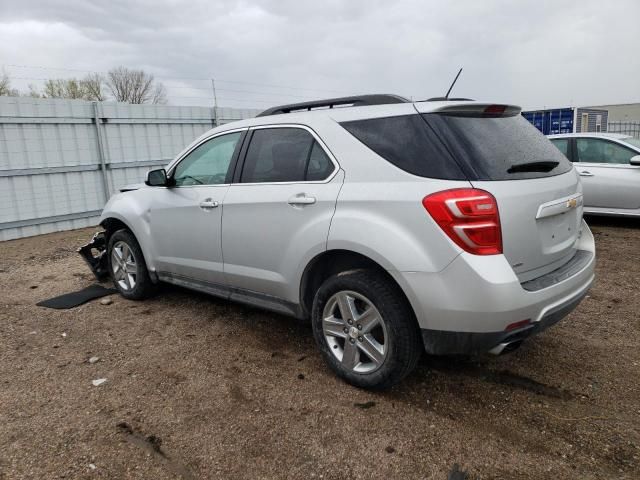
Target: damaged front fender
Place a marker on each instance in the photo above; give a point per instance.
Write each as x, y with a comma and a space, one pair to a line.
97, 261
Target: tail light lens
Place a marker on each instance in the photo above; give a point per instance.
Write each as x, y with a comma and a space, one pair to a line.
469, 217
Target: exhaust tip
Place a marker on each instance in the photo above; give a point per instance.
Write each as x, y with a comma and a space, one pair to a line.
505, 347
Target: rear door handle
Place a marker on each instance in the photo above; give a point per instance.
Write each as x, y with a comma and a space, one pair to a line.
302, 199
208, 204
585, 173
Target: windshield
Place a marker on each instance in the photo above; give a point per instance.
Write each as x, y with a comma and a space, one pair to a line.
632, 141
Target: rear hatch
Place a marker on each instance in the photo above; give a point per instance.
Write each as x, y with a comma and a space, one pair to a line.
538, 194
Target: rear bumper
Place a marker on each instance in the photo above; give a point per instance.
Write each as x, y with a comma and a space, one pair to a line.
442, 342
466, 308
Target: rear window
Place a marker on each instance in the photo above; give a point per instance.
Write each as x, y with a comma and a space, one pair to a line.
460, 148
488, 148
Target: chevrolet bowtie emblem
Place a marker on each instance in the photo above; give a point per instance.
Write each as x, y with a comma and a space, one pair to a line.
573, 203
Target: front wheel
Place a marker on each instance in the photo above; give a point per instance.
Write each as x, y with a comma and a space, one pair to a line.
365, 329
127, 266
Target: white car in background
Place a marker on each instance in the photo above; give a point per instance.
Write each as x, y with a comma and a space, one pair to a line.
609, 167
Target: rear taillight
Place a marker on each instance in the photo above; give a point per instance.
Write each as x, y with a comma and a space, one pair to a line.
469, 217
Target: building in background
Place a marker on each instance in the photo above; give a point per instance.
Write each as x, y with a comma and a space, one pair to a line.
623, 118
568, 120
622, 112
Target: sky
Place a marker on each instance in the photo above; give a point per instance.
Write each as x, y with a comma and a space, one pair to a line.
267, 52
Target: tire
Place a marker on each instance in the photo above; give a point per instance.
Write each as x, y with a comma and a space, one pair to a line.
396, 338
136, 284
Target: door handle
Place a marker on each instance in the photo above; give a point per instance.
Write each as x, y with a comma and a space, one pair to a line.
208, 204
585, 173
302, 199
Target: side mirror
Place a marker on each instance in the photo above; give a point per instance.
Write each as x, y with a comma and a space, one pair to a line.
157, 178
635, 160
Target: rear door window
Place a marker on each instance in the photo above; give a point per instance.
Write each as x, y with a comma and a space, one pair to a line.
284, 155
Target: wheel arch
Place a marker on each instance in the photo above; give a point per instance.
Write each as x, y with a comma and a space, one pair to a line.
332, 262
112, 222
112, 225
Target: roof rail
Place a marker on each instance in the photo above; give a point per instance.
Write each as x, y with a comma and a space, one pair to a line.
355, 101
445, 99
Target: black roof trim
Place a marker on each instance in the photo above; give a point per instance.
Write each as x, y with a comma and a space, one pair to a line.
445, 99
356, 101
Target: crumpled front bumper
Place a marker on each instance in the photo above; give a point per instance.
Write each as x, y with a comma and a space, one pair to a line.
97, 261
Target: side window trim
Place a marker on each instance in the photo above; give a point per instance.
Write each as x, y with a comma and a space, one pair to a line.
173, 165
236, 155
306, 163
239, 167
573, 152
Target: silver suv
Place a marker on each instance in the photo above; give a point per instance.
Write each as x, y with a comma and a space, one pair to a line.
453, 227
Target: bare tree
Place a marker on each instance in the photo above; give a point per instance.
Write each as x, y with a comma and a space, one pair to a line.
159, 95
33, 92
92, 86
5, 87
125, 85
134, 86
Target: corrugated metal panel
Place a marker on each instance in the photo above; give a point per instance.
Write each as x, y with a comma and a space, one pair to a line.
50, 167
592, 117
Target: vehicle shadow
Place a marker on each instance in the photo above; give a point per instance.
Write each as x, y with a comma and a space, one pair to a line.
266, 331
616, 222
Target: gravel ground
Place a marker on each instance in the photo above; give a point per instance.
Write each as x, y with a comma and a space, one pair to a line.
201, 388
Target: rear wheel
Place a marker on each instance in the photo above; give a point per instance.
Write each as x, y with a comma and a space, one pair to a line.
127, 266
365, 329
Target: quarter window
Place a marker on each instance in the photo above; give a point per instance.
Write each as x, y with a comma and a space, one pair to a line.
319, 166
284, 155
208, 163
596, 150
408, 143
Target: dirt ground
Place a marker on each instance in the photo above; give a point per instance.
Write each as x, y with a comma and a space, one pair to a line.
202, 388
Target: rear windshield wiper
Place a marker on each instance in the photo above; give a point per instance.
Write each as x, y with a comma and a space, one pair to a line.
543, 166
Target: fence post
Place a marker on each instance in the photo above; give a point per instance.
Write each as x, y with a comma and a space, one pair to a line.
215, 103
97, 119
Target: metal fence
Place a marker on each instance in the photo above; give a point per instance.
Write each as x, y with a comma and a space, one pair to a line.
628, 128
60, 160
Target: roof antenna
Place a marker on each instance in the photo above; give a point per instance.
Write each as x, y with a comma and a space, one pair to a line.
446, 97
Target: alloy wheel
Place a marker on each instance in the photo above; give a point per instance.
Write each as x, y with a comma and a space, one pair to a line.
125, 268
355, 332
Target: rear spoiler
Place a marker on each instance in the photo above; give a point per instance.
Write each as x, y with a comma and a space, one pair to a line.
480, 110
